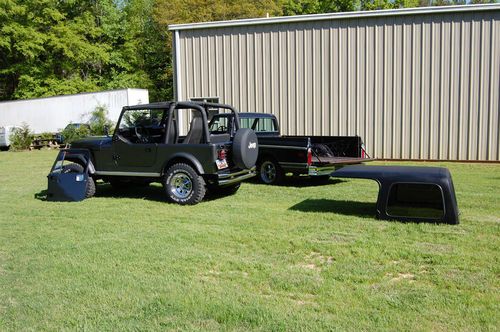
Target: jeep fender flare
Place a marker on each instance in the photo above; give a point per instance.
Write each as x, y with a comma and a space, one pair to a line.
184, 156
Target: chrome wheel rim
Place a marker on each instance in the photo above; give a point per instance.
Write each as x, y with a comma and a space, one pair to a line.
268, 172
181, 185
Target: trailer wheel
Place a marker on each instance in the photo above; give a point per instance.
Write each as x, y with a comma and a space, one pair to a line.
77, 168
270, 172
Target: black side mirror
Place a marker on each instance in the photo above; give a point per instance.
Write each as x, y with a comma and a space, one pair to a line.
106, 130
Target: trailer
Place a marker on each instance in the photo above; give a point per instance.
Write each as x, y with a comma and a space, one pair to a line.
52, 114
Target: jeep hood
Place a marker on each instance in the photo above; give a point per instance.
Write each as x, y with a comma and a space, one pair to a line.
91, 143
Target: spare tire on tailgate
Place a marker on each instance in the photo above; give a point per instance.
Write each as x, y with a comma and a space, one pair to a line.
245, 148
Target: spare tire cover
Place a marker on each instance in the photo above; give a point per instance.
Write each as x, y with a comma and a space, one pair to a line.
245, 148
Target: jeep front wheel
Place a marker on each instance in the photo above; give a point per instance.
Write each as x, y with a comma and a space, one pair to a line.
183, 185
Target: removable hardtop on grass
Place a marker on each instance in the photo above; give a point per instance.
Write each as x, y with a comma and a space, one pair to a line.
410, 193
314, 156
151, 144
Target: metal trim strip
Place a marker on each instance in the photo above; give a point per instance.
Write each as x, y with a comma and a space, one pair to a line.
282, 147
335, 16
143, 174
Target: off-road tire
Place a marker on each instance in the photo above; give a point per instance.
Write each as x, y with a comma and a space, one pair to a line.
270, 172
77, 168
183, 185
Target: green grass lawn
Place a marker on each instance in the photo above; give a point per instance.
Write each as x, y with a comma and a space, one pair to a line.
268, 258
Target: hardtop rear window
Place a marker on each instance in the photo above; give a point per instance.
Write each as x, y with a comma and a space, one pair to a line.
415, 200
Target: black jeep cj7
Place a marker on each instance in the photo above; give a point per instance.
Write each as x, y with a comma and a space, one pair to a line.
148, 146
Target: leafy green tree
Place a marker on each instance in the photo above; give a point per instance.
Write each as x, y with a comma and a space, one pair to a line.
46, 50
99, 121
50, 47
167, 12
72, 133
149, 41
301, 7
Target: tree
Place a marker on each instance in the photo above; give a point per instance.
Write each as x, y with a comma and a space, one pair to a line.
50, 47
301, 7
47, 50
150, 43
185, 11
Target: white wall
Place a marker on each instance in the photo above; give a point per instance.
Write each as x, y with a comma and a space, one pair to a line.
54, 113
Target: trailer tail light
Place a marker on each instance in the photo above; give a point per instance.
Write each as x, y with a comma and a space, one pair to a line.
309, 157
363, 151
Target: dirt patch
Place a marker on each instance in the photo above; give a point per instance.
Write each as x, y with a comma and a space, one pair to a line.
401, 276
310, 266
337, 238
316, 261
435, 247
212, 275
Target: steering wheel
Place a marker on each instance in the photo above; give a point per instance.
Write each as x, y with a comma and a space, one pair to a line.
141, 138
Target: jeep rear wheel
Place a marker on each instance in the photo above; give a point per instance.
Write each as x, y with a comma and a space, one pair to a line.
77, 168
183, 185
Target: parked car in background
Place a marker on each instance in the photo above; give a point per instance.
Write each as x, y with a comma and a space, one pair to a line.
70, 129
5, 133
315, 156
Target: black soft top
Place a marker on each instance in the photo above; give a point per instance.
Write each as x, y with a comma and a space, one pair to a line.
256, 115
182, 104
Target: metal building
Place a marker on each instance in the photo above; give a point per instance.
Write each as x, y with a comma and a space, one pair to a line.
420, 83
52, 114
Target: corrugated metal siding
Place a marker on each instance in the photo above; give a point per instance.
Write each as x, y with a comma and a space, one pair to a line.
413, 86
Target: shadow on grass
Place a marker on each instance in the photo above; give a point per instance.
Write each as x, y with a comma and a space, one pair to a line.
350, 208
302, 182
151, 193
41, 195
